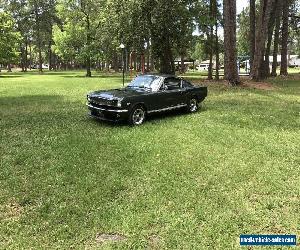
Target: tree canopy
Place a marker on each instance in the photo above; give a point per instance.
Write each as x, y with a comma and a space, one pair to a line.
88, 33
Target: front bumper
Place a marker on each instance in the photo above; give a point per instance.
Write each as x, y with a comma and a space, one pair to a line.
107, 113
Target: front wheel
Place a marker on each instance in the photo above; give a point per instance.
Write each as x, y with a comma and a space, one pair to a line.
137, 116
192, 105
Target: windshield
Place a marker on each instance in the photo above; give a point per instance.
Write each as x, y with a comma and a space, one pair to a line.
145, 82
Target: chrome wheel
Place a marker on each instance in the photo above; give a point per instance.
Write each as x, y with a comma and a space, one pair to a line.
138, 116
193, 105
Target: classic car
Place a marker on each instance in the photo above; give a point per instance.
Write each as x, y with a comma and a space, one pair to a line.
146, 94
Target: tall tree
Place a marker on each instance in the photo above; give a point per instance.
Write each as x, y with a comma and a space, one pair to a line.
169, 24
230, 53
284, 36
85, 15
9, 39
21, 13
260, 38
276, 37
252, 30
210, 36
271, 24
38, 10
161, 26
215, 11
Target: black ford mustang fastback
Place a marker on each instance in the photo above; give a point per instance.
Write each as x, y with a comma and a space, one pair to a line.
146, 94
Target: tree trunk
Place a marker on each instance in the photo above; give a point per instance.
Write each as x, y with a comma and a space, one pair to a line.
266, 68
151, 59
8, 67
30, 56
210, 36
166, 58
50, 56
252, 31
217, 76
210, 66
230, 53
215, 10
88, 44
148, 61
38, 33
22, 58
115, 62
134, 61
26, 54
107, 65
276, 37
260, 38
88, 67
285, 34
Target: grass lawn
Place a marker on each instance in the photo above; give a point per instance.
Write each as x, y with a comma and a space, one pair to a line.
187, 181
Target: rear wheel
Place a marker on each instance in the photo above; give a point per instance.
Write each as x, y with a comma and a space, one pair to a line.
137, 116
193, 105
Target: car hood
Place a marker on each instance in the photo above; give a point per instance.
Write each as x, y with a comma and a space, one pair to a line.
113, 94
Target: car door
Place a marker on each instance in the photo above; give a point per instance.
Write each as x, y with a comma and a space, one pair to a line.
157, 99
174, 91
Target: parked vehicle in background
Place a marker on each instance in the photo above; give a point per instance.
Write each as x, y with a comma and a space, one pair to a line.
203, 67
36, 66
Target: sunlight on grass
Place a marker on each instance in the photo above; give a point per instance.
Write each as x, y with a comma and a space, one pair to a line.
185, 180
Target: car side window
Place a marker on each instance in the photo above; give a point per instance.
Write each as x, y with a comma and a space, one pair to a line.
186, 84
172, 83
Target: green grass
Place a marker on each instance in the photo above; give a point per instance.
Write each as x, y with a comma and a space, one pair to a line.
186, 181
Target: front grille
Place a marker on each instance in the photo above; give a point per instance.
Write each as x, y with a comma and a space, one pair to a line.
100, 101
106, 107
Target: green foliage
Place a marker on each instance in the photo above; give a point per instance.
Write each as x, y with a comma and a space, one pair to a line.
82, 20
9, 39
89, 32
243, 43
68, 43
200, 52
294, 28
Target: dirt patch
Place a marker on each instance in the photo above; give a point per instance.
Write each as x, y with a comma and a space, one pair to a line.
210, 82
258, 85
154, 241
11, 211
246, 83
103, 237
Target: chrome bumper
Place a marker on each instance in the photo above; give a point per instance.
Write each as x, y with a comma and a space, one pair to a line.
108, 110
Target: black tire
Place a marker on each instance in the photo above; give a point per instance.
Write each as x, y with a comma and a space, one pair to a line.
192, 105
137, 115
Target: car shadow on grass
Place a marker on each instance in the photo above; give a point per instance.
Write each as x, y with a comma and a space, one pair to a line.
168, 115
32, 109
153, 118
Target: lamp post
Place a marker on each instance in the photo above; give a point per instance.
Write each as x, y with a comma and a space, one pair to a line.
122, 46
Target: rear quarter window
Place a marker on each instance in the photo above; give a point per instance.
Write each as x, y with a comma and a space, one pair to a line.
186, 84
